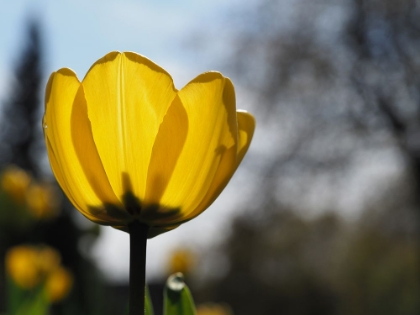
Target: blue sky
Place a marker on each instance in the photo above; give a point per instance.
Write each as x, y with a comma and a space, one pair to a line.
78, 32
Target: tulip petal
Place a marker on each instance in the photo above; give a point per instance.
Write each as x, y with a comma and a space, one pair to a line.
90, 162
209, 103
127, 97
100, 218
167, 148
228, 165
246, 128
61, 102
58, 173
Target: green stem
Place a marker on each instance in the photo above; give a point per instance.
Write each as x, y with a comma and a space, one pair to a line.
138, 243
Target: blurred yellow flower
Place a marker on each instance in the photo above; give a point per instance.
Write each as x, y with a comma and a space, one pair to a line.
48, 259
125, 144
213, 309
58, 284
181, 260
31, 266
15, 181
22, 266
42, 201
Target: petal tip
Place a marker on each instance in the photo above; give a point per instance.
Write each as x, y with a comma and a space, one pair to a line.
135, 57
66, 72
246, 115
111, 56
207, 77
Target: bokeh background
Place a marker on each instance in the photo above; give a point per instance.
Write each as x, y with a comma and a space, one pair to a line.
322, 217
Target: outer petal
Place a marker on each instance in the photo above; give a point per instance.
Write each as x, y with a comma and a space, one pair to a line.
227, 167
62, 117
167, 148
127, 97
209, 105
246, 128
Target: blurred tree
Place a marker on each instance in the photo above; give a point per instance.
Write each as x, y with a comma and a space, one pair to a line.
280, 265
383, 38
337, 88
338, 85
379, 275
378, 269
21, 128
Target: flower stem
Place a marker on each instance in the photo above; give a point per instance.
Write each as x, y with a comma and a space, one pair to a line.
138, 242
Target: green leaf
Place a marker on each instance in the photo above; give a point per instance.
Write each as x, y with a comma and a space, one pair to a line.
147, 304
15, 296
178, 299
38, 305
24, 302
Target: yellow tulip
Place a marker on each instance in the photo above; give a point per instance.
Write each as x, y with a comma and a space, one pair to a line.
124, 144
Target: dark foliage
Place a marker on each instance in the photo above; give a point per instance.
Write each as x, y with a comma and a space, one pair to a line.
20, 127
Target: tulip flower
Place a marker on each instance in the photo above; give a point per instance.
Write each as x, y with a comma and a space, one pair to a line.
131, 151
125, 145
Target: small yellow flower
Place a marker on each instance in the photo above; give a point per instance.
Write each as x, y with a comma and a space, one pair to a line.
58, 284
125, 144
213, 309
48, 259
181, 261
32, 266
14, 182
42, 201
22, 266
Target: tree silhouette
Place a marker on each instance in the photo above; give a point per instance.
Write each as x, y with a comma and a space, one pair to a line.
20, 128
